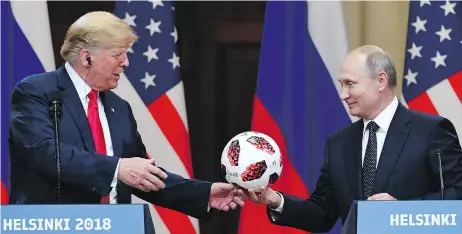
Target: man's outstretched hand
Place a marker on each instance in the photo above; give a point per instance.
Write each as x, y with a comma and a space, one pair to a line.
224, 197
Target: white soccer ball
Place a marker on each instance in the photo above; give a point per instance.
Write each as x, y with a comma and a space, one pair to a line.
251, 160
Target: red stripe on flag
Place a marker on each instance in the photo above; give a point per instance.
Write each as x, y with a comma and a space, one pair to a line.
456, 83
4, 193
176, 222
253, 218
423, 103
169, 121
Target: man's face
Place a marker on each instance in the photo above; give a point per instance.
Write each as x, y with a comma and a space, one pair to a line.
106, 66
359, 90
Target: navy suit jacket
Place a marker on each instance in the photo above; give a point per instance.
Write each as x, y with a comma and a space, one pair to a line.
85, 175
408, 169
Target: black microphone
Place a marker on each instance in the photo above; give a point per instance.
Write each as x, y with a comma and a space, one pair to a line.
54, 109
441, 174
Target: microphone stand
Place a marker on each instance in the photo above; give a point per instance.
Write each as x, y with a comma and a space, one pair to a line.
55, 109
441, 176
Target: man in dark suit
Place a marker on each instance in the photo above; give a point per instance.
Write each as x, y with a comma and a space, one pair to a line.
391, 153
103, 158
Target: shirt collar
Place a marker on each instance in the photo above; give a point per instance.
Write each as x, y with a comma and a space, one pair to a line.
79, 83
383, 120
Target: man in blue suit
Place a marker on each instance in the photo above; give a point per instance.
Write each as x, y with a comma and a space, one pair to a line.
103, 158
391, 153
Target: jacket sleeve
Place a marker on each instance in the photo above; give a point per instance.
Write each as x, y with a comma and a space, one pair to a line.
316, 214
31, 134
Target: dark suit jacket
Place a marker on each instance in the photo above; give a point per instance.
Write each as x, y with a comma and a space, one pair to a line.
85, 175
408, 169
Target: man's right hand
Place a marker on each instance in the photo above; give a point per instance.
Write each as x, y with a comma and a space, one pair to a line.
264, 196
140, 173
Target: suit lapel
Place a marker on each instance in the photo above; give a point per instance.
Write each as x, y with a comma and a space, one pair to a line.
394, 142
74, 105
353, 161
112, 119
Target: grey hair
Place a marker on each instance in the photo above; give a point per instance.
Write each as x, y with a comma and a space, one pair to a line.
378, 60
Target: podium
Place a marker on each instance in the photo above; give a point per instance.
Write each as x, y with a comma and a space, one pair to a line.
73, 219
404, 217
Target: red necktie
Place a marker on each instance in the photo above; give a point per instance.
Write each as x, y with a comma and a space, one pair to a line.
96, 129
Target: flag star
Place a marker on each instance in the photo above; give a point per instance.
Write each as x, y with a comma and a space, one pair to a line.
130, 20
156, 3
174, 34
151, 53
415, 51
154, 27
448, 8
419, 25
411, 77
423, 2
175, 61
444, 33
439, 59
130, 50
148, 80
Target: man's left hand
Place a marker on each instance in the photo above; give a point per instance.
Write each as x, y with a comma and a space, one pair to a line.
382, 197
224, 196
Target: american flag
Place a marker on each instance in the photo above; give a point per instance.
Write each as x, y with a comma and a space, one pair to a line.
152, 85
433, 67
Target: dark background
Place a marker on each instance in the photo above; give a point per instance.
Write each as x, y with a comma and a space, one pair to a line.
219, 50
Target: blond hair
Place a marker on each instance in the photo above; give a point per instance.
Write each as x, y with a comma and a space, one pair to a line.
96, 30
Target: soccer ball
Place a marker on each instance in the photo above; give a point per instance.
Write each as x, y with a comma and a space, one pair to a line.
251, 160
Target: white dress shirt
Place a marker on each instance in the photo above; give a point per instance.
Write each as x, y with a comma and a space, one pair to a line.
383, 120
83, 90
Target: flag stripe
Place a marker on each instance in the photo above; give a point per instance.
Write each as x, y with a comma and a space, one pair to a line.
175, 221
173, 128
34, 29
423, 103
329, 38
158, 147
447, 103
253, 217
456, 83
176, 96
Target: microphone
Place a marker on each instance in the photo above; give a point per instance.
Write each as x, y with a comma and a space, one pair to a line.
54, 109
441, 174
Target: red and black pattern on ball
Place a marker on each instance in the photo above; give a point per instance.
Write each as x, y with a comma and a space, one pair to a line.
261, 144
273, 178
280, 162
233, 153
254, 171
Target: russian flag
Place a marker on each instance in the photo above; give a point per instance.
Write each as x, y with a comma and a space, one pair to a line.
297, 100
26, 49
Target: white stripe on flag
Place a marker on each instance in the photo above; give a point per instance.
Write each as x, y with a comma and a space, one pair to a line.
176, 96
32, 18
329, 37
447, 103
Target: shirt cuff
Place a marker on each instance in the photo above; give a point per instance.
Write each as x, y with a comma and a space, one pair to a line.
279, 208
276, 212
114, 180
